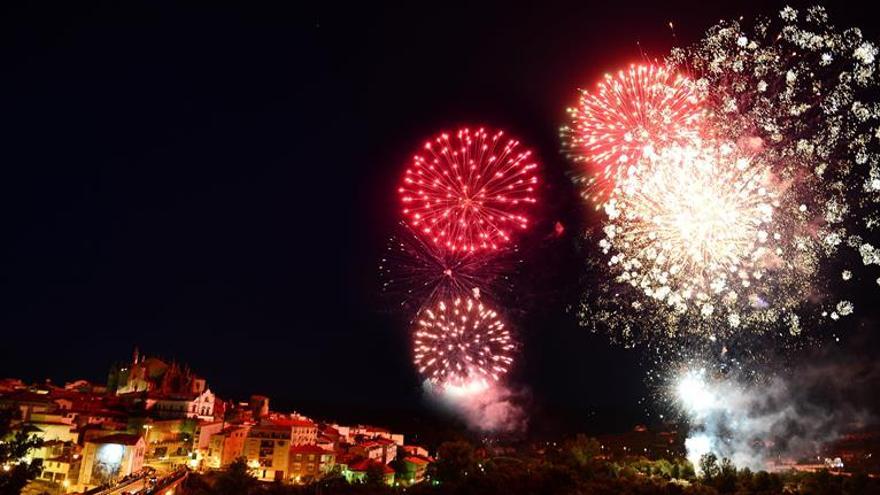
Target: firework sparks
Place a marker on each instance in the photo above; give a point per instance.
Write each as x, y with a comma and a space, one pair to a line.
645, 107
469, 192
461, 344
419, 272
693, 228
754, 237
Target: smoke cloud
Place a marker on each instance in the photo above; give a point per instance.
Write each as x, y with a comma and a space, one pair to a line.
786, 419
483, 407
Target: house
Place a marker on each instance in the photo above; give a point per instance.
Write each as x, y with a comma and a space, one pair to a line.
415, 450
267, 449
63, 469
369, 449
303, 430
413, 469
310, 462
111, 457
204, 430
55, 428
357, 471
24, 403
182, 405
226, 446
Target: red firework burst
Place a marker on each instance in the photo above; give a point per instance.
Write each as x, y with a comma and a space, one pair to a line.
469, 192
645, 106
461, 342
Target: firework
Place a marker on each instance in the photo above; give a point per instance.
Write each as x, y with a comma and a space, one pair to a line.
420, 273
746, 224
693, 228
804, 95
643, 108
470, 191
461, 344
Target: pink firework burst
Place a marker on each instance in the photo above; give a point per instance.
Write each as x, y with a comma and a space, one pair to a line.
460, 342
647, 106
469, 192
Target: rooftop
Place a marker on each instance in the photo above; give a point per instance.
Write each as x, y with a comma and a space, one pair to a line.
309, 449
118, 438
364, 464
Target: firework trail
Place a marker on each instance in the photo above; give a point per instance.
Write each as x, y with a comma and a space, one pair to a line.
418, 273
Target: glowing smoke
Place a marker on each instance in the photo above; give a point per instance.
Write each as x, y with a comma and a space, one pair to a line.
783, 419
482, 406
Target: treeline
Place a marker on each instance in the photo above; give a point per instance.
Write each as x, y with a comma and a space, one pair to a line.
574, 467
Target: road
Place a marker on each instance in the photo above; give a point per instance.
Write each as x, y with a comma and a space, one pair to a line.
141, 486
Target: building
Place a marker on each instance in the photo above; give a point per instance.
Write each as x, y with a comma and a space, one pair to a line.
111, 457
204, 430
357, 471
308, 462
413, 469
150, 374
369, 449
303, 430
259, 406
267, 449
54, 427
182, 405
61, 461
226, 446
11, 384
415, 450
23, 403
389, 449
366, 431
63, 469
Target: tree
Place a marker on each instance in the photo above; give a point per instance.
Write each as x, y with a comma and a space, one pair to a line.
581, 450
14, 448
455, 460
235, 480
727, 476
709, 466
687, 471
375, 475
663, 468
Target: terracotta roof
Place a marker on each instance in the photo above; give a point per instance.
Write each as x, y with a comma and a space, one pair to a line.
416, 460
365, 464
293, 422
120, 438
269, 427
309, 449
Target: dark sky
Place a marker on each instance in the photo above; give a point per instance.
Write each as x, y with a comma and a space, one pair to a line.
216, 184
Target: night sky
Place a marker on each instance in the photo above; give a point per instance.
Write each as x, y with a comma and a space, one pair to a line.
216, 185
